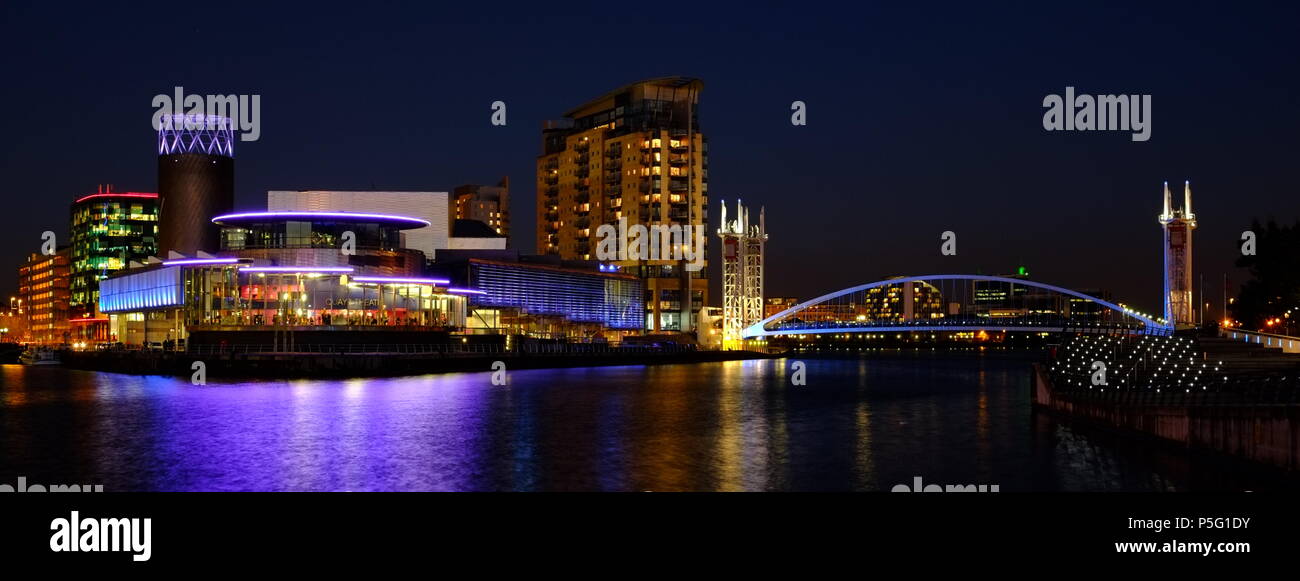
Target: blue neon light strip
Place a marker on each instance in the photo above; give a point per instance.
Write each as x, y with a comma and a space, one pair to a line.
196, 261
467, 291
298, 269
400, 280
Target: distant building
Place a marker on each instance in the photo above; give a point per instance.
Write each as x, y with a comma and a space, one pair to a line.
1090, 311
43, 287
109, 230
996, 295
635, 153
774, 305
487, 204
196, 180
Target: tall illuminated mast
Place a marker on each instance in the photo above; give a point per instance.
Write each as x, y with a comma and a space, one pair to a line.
1178, 225
742, 272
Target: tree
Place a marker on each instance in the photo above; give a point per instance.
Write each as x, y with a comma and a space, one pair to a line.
1274, 288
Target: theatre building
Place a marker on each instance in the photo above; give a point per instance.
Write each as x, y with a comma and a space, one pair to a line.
291, 281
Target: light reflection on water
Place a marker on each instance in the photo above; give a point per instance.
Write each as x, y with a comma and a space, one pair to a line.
859, 424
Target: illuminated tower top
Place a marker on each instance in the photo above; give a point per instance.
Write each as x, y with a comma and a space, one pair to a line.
1169, 214
206, 134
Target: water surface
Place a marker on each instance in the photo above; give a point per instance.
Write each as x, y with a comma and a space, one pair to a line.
860, 423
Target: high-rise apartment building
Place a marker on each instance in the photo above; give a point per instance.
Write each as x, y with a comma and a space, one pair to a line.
109, 230
487, 204
635, 153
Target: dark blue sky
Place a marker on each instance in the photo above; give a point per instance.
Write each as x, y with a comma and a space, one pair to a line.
920, 120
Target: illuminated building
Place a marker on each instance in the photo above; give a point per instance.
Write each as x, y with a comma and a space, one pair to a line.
634, 153
1090, 311
546, 297
318, 238
997, 294
43, 283
910, 301
742, 273
774, 305
1178, 226
109, 230
487, 204
284, 279
196, 180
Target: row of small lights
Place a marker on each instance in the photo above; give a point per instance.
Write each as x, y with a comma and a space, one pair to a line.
1081, 352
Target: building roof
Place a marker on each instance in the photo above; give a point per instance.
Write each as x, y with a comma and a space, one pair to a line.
660, 81
110, 195
473, 229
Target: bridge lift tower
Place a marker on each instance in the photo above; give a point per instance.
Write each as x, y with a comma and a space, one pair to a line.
1178, 226
742, 273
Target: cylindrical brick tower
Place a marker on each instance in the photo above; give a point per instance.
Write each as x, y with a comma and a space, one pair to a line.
196, 181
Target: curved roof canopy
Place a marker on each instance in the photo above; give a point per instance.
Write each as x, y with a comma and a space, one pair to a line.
242, 218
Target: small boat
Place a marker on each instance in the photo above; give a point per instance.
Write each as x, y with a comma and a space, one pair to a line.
39, 356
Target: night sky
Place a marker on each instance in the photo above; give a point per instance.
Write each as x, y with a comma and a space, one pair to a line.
920, 120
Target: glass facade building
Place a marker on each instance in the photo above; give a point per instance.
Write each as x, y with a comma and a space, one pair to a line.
109, 231
304, 272
614, 302
544, 297
170, 302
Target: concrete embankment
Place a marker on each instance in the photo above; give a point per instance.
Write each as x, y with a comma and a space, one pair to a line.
1266, 433
294, 365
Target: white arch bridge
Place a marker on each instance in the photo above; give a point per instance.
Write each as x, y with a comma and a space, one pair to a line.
956, 302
